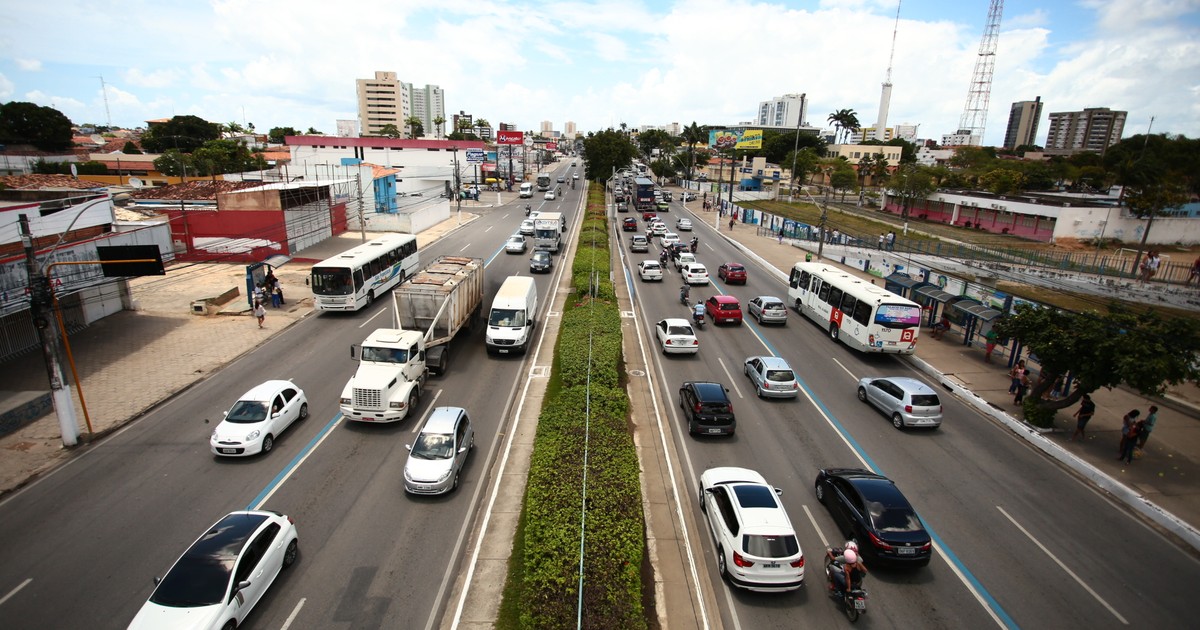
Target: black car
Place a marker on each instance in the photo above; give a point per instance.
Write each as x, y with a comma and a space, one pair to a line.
630, 224
541, 262
871, 509
707, 408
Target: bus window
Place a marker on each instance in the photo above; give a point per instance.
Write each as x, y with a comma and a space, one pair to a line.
862, 312
358, 279
822, 289
847, 305
834, 298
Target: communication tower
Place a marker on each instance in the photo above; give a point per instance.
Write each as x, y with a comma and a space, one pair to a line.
974, 117
885, 96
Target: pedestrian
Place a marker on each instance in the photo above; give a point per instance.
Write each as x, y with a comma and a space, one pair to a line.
1147, 427
1086, 410
1128, 435
1195, 273
731, 221
276, 296
940, 328
837, 237
260, 313
891, 240
990, 338
1022, 387
781, 236
1060, 385
882, 236
1130, 442
1015, 375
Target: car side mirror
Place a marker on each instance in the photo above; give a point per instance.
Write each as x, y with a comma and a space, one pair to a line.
157, 580
244, 584
779, 491
462, 450
408, 447
352, 348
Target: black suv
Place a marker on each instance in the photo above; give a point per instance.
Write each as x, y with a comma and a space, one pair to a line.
707, 408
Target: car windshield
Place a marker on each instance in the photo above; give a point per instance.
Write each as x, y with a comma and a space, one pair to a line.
541, 256
773, 306
925, 400
679, 329
433, 446
384, 355
247, 412
508, 317
780, 376
893, 518
516, 240
782, 546
193, 582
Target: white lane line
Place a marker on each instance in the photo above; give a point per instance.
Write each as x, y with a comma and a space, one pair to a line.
1063, 566
292, 617
732, 381
464, 248
820, 534
428, 411
258, 506
844, 368
381, 312
15, 590
489, 229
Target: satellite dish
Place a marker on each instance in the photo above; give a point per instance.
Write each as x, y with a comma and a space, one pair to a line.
74, 171
136, 183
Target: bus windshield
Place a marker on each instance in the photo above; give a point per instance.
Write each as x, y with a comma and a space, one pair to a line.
898, 316
332, 281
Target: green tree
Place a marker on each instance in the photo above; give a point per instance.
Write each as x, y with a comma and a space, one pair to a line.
843, 179
908, 150
277, 134
800, 163
777, 145
866, 164
312, 131
45, 128
437, 124
844, 120
185, 133
911, 182
234, 127
1141, 350
130, 148
662, 168
389, 131
416, 128
1158, 174
693, 135
608, 151
1002, 181
174, 163
653, 139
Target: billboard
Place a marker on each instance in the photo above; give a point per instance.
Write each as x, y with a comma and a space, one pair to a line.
551, 146
510, 137
746, 139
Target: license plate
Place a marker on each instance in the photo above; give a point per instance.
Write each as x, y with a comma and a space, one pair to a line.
503, 351
906, 551
860, 604
230, 451
714, 431
771, 565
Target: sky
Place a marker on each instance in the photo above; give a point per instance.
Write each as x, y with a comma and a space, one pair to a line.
293, 63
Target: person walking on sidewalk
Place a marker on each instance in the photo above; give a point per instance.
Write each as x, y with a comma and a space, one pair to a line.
881, 239
731, 221
891, 241
260, 313
1195, 274
1086, 410
990, 338
1147, 427
1015, 375
1127, 427
1022, 387
1130, 442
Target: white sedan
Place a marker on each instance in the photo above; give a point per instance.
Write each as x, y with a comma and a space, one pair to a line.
549, 195
694, 273
515, 244
676, 336
683, 225
668, 238
257, 419
526, 227
650, 270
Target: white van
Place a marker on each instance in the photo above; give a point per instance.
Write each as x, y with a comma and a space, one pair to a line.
526, 190
511, 320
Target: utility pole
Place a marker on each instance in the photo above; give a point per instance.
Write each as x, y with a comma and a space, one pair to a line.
457, 186
362, 219
40, 301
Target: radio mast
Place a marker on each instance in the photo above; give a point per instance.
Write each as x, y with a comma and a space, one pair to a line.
974, 118
885, 96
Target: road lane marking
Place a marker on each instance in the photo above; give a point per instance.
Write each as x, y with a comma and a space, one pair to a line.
428, 410
292, 617
15, 590
377, 314
813, 520
844, 368
1063, 566
488, 229
287, 471
464, 248
732, 381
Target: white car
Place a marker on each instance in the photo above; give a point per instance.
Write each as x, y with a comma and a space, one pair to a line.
694, 273
757, 548
436, 458
657, 228
684, 258
257, 419
650, 270
549, 195
527, 227
683, 225
676, 336
515, 244
219, 579
668, 238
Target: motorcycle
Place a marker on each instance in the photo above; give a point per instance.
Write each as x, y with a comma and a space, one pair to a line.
695, 243
698, 319
852, 601
527, 210
684, 292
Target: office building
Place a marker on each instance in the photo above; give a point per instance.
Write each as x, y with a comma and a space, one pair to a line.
547, 128
783, 111
1023, 123
569, 129
1093, 129
386, 100
427, 103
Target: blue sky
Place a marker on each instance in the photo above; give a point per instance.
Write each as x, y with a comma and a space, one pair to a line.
276, 63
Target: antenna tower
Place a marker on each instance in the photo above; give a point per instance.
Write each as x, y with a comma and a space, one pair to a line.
974, 117
885, 96
104, 91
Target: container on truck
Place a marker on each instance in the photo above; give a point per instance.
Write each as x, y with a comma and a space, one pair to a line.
512, 318
547, 231
430, 308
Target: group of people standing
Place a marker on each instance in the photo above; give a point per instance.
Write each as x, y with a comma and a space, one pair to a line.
1135, 430
887, 241
1149, 266
271, 287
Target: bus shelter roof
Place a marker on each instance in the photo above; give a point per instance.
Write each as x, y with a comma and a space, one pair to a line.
933, 292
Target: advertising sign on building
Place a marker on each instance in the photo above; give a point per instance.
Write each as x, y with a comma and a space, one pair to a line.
475, 156
747, 139
510, 137
551, 146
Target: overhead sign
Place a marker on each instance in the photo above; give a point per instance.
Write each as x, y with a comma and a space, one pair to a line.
746, 139
551, 146
510, 137
475, 156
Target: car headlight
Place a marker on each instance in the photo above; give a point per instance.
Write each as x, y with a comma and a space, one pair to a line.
253, 434
407, 477
396, 405
344, 401
444, 476
214, 434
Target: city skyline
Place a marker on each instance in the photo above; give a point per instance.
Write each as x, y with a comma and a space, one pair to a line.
600, 68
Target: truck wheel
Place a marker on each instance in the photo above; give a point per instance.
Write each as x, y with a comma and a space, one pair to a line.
414, 399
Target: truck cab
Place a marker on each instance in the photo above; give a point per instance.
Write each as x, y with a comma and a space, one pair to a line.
391, 372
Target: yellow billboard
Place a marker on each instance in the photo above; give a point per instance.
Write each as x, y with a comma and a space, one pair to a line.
745, 139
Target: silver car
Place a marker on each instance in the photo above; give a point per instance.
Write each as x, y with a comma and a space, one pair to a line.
515, 244
436, 459
907, 401
772, 377
767, 309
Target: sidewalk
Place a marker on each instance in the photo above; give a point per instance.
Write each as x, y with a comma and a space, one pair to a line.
133, 360
1168, 470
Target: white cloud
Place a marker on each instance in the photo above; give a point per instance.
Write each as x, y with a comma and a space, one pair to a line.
158, 78
6, 88
29, 65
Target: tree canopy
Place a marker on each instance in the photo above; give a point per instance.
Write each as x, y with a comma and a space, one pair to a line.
26, 123
215, 157
185, 133
607, 151
276, 134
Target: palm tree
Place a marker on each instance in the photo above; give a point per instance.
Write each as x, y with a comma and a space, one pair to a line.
844, 120
413, 123
480, 123
692, 135
437, 123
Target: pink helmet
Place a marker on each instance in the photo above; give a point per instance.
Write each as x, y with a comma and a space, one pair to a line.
850, 557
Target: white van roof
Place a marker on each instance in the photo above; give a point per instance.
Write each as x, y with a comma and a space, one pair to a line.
515, 287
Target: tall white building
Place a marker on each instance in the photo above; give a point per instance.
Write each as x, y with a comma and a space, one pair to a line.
783, 111
427, 103
569, 129
547, 128
386, 100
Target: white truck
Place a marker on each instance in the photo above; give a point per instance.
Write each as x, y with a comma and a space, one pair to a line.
430, 308
547, 231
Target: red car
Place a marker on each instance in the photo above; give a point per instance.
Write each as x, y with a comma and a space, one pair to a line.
647, 215
724, 309
629, 224
732, 273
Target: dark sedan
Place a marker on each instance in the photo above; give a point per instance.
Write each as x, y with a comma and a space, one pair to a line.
541, 262
871, 509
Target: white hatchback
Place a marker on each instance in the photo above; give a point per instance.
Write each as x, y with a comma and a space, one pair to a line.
650, 270
694, 273
257, 418
668, 238
757, 548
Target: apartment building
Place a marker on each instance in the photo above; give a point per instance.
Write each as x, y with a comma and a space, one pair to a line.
386, 100
1023, 123
1093, 129
782, 111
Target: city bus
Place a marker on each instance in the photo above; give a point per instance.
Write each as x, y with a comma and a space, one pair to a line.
543, 181
355, 277
643, 193
856, 312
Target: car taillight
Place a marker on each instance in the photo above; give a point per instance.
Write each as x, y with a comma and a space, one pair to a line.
907, 408
695, 342
799, 564
878, 542
696, 409
871, 340
795, 385
740, 561
294, 522
926, 547
668, 342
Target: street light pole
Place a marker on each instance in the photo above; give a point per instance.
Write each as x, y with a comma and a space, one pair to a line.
457, 192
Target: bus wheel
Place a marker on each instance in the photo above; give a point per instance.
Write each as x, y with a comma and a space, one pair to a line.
370, 298
798, 305
833, 331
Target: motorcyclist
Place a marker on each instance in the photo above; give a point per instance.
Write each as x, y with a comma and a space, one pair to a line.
695, 243
685, 291
662, 258
528, 209
698, 311
846, 566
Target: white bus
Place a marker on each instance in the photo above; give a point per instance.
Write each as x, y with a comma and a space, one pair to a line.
860, 314
355, 277
543, 181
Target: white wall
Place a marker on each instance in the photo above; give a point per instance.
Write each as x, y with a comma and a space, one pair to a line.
421, 170
1092, 223
410, 220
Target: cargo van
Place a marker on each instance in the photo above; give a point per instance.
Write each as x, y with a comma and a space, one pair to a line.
512, 318
526, 190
